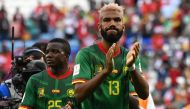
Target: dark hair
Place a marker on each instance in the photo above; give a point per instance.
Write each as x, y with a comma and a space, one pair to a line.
66, 46
33, 51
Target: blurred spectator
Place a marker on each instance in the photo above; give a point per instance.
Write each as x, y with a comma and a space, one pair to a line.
54, 15
43, 22
92, 4
70, 24
161, 26
19, 24
4, 24
168, 7
5, 60
32, 27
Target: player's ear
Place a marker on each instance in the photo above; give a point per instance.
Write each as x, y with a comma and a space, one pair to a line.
123, 27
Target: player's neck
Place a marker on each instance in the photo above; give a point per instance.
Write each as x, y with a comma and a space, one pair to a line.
107, 45
59, 71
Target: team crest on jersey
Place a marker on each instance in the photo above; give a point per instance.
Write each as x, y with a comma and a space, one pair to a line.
41, 92
70, 93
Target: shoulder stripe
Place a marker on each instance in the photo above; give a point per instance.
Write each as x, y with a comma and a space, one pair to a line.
24, 107
133, 93
78, 81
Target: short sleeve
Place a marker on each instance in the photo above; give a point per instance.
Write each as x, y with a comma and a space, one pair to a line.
82, 70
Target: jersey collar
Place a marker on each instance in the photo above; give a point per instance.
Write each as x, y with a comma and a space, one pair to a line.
100, 46
65, 75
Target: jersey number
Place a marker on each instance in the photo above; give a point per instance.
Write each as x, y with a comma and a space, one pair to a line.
114, 87
54, 103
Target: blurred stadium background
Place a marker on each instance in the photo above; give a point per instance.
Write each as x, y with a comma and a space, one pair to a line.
161, 26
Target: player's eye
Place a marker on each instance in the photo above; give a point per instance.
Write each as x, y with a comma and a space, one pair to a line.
118, 19
54, 51
107, 19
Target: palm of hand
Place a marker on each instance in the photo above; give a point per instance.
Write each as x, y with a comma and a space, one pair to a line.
132, 54
130, 59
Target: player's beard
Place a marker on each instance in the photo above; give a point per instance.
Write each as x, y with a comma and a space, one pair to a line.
112, 37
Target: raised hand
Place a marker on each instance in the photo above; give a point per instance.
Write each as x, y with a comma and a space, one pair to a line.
132, 54
109, 56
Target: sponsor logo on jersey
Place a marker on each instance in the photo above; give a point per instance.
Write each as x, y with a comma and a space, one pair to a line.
55, 91
76, 69
70, 93
41, 92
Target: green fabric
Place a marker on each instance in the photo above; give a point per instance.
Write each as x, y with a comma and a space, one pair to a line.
112, 92
44, 92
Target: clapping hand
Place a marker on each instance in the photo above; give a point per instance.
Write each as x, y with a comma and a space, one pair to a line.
132, 54
109, 58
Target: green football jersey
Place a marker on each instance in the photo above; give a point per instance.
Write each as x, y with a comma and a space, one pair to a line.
45, 91
112, 92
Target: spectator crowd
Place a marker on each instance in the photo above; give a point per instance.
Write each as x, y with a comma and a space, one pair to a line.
161, 26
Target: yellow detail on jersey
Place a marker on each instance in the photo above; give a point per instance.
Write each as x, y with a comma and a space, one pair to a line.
78, 81
114, 88
126, 69
70, 92
55, 91
54, 104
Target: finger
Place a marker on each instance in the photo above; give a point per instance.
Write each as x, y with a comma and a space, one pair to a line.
135, 48
69, 103
137, 44
114, 46
67, 106
112, 50
129, 60
136, 51
134, 54
109, 55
